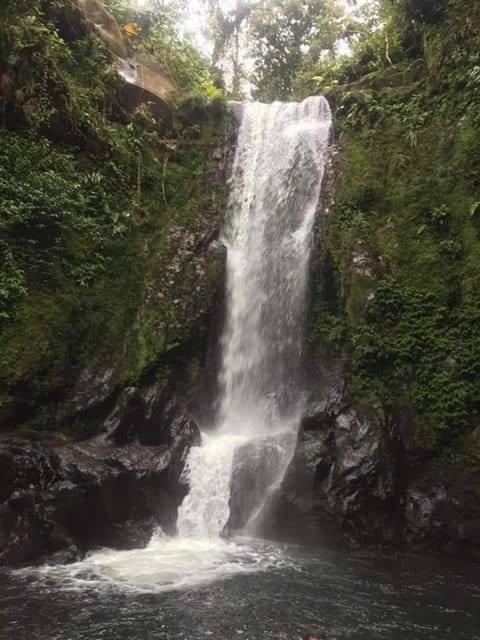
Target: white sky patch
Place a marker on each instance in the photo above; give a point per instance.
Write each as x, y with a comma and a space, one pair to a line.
194, 26
195, 23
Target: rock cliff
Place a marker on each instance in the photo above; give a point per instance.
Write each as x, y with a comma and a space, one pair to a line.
59, 500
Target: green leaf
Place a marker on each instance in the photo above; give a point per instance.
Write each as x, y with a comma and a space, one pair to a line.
474, 208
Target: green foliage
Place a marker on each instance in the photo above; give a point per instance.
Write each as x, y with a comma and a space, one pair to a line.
96, 199
276, 48
61, 227
47, 82
411, 348
289, 38
49, 206
405, 237
329, 329
12, 282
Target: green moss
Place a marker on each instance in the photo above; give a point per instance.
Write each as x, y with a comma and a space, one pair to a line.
407, 202
101, 207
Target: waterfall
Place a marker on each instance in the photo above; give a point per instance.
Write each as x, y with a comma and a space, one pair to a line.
233, 476
275, 186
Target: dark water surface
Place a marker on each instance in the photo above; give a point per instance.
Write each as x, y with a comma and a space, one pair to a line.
278, 592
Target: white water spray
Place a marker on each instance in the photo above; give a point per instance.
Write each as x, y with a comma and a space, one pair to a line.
275, 186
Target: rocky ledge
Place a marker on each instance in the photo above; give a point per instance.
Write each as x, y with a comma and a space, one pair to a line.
59, 500
356, 481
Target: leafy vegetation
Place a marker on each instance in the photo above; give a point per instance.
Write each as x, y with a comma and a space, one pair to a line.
288, 39
404, 242
97, 195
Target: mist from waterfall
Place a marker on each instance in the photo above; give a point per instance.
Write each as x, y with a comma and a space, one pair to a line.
274, 191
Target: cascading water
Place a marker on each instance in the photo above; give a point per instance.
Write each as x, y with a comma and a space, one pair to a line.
275, 186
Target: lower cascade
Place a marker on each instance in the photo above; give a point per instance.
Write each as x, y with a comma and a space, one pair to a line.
275, 186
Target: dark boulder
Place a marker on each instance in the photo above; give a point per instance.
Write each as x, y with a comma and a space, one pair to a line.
257, 472
59, 501
442, 509
355, 481
151, 415
26, 473
341, 486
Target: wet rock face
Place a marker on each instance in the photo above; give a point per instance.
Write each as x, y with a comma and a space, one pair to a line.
442, 514
355, 482
97, 15
360, 488
341, 484
58, 501
151, 415
257, 468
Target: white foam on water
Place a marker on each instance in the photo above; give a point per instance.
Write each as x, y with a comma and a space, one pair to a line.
165, 564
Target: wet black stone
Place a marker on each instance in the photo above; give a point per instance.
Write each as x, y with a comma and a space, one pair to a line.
62, 500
